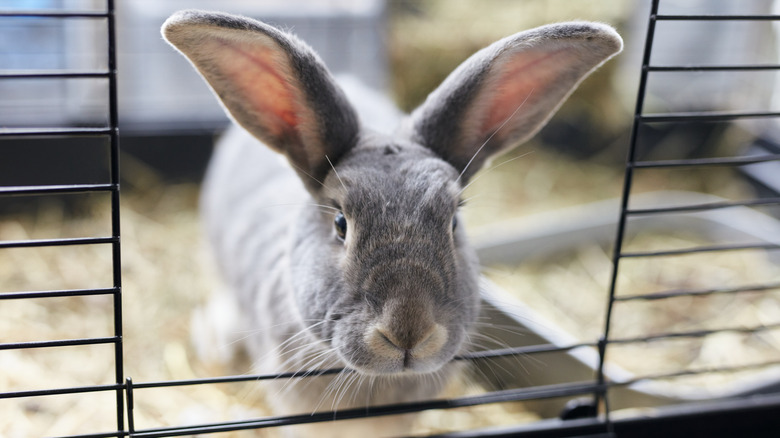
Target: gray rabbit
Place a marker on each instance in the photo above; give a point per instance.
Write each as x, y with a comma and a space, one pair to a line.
352, 255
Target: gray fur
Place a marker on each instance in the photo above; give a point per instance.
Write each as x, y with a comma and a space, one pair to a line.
396, 299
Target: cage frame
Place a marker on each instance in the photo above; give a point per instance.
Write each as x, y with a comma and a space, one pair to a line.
753, 415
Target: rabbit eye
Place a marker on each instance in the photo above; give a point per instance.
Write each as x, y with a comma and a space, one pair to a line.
340, 223
454, 223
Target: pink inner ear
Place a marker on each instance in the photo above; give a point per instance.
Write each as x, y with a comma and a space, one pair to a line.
521, 82
259, 80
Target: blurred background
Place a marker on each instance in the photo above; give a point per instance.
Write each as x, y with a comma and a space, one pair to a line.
169, 121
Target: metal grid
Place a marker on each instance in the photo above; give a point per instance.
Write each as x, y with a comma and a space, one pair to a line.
633, 163
109, 134
627, 212
751, 416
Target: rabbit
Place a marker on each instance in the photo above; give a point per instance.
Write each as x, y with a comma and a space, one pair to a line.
350, 253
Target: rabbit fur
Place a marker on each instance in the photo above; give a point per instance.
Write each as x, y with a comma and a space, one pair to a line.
350, 254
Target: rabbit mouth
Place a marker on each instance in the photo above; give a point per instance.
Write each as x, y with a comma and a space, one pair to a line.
382, 351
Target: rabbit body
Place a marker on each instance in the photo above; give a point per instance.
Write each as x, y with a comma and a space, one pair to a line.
351, 255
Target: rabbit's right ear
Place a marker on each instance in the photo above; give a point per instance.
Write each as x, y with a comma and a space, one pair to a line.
272, 84
506, 92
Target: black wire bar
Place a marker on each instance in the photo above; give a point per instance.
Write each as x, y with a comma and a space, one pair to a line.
699, 292
503, 396
56, 189
478, 355
113, 122
709, 116
59, 14
713, 17
602, 396
46, 74
712, 68
59, 242
61, 391
695, 372
632, 164
694, 334
55, 131
717, 161
702, 249
58, 343
56, 293
703, 207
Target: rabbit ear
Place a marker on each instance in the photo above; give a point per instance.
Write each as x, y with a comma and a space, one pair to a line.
272, 84
506, 92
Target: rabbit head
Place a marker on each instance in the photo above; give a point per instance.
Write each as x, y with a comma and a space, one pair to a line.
379, 266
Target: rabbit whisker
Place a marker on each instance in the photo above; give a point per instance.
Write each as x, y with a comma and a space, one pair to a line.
349, 380
313, 366
370, 391
332, 389
494, 133
336, 172
492, 168
311, 355
305, 173
481, 347
282, 349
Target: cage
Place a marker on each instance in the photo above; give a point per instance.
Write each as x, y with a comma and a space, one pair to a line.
620, 377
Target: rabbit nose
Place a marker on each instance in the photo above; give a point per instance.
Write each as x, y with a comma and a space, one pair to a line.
406, 332
418, 343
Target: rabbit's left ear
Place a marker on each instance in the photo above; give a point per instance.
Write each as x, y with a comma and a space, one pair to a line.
506, 92
272, 84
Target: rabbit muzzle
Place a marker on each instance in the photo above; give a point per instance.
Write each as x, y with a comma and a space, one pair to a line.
408, 326
407, 334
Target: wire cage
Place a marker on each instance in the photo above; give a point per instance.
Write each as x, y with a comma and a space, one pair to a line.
586, 393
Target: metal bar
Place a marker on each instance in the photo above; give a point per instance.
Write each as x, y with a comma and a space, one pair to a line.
118, 433
704, 17
694, 334
698, 292
542, 392
55, 189
695, 372
52, 14
45, 132
713, 68
523, 351
130, 406
52, 75
480, 355
58, 242
717, 161
705, 117
700, 249
703, 207
60, 391
58, 343
113, 109
621, 225
241, 378
56, 293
